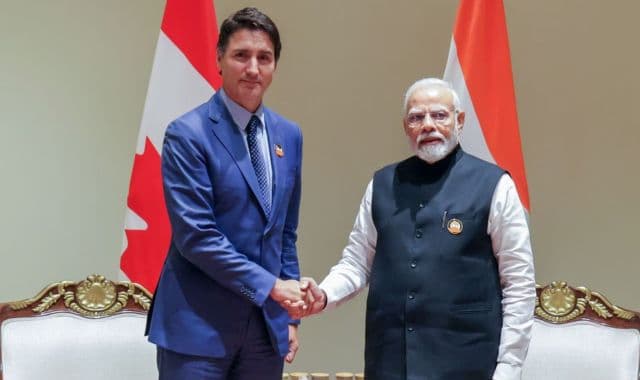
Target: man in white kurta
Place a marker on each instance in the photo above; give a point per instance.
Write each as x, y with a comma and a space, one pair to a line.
433, 122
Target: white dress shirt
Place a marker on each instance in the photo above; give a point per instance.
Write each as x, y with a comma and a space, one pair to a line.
509, 233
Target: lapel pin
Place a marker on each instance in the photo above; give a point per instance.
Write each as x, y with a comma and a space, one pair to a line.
279, 151
454, 226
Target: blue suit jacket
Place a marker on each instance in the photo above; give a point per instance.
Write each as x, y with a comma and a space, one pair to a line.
225, 253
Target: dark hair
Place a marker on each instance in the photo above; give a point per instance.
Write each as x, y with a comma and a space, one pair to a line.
252, 19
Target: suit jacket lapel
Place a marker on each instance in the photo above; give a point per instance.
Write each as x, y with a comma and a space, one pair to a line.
229, 135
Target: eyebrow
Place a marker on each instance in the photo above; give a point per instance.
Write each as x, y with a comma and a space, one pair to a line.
249, 49
428, 109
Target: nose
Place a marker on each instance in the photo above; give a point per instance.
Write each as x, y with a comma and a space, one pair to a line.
252, 66
428, 125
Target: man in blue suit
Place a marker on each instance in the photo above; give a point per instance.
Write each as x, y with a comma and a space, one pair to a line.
231, 172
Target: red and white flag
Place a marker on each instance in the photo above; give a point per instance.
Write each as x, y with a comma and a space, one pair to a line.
479, 67
184, 75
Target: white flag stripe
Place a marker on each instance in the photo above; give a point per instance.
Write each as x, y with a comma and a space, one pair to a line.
472, 137
131, 222
175, 87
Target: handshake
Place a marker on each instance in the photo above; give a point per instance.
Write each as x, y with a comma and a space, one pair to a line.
300, 298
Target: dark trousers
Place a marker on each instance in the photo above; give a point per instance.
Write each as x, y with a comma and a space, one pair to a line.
256, 359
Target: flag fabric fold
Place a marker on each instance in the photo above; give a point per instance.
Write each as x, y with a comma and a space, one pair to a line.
184, 75
479, 68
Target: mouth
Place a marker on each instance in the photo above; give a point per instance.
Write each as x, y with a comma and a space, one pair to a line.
430, 140
250, 82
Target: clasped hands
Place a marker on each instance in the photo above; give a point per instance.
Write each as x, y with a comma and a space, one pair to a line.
300, 298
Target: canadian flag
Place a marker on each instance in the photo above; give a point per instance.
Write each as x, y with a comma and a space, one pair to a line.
184, 75
479, 68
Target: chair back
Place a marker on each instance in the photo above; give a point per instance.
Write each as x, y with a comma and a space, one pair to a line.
90, 329
579, 334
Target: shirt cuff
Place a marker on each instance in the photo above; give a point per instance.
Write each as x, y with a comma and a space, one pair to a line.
506, 371
331, 299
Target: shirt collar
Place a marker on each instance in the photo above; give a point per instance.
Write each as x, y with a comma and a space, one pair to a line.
239, 114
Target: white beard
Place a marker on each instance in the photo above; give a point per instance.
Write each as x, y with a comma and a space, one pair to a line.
436, 152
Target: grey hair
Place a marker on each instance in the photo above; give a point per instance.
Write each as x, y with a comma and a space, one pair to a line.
426, 83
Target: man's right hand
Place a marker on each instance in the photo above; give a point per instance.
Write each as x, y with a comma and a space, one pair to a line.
314, 301
288, 294
316, 298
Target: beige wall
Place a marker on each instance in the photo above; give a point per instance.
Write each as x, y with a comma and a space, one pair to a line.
73, 78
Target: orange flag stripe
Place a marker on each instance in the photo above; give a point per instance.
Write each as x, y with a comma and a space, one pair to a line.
482, 43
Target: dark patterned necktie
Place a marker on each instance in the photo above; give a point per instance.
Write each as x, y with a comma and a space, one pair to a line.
258, 162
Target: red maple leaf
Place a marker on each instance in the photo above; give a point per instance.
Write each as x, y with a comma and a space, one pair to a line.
146, 249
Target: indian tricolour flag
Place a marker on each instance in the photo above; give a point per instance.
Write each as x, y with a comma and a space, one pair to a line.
479, 67
184, 75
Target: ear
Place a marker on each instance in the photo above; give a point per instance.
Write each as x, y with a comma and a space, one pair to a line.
460, 118
405, 127
218, 59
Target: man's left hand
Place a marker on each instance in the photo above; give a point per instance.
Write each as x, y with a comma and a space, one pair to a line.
293, 343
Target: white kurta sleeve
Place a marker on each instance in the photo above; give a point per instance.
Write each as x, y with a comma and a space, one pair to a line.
509, 233
347, 278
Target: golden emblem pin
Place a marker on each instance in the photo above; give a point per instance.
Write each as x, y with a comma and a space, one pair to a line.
454, 226
279, 151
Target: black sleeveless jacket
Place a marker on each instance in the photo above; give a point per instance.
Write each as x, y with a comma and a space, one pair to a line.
434, 304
